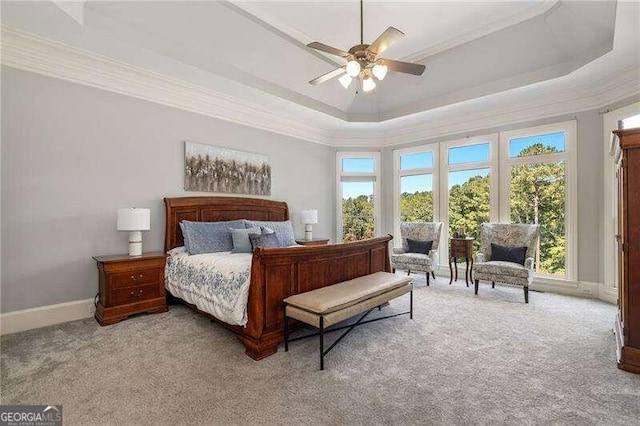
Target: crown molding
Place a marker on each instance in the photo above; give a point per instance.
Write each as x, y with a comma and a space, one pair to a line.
33, 53
30, 52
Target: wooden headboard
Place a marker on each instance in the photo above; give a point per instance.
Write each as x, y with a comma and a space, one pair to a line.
216, 209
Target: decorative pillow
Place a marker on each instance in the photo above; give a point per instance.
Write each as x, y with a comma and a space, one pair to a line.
417, 246
264, 240
265, 230
283, 230
184, 236
240, 237
209, 237
508, 254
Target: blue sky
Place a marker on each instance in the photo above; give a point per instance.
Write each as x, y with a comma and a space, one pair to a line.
457, 155
556, 140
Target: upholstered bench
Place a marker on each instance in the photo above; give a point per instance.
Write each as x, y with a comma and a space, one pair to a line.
330, 305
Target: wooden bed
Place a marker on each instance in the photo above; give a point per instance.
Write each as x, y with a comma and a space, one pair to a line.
276, 273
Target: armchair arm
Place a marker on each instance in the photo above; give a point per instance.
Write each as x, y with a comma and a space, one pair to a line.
528, 263
398, 250
435, 259
479, 258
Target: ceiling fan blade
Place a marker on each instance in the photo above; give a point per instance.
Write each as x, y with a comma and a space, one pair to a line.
386, 39
405, 67
327, 76
328, 49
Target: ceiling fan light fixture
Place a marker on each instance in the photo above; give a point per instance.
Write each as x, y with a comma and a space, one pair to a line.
380, 70
368, 84
345, 80
353, 68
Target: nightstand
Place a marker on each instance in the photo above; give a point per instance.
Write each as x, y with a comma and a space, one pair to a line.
130, 285
313, 242
461, 247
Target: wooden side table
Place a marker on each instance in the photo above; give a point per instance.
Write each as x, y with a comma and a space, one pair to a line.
463, 248
130, 285
313, 242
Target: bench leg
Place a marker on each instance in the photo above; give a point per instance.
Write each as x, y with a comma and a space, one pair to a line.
428, 279
321, 343
286, 332
477, 282
411, 304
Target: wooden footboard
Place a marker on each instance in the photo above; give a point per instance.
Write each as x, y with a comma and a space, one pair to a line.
276, 272
280, 272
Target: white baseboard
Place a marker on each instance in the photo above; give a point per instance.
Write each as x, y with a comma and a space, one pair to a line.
28, 319
608, 294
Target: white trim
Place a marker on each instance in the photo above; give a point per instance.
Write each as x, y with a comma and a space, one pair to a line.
375, 177
43, 316
609, 217
397, 174
569, 156
34, 53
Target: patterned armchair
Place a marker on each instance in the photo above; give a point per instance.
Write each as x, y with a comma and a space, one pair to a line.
422, 231
509, 235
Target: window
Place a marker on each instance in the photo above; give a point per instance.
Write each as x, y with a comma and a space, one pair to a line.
358, 195
469, 173
414, 195
631, 122
537, 163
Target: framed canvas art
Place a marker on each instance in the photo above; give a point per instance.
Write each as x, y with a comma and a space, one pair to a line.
213, 169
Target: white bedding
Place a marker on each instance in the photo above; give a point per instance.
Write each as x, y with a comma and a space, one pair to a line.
217, 283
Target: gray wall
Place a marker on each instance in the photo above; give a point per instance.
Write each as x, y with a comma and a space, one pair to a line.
590, 181
72, 155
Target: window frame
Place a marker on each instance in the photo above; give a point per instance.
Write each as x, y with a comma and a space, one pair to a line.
569, 157
494, 177
375, 177
434, 148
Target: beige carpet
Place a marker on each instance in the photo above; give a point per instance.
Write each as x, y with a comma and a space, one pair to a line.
463, 359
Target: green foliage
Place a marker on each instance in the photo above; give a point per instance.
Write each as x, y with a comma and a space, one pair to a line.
469, 207
416, 207
357, 218
538, 196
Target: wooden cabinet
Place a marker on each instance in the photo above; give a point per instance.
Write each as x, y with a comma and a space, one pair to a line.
627, 325
130, 285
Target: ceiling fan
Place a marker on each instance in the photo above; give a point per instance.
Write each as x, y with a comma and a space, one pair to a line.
364, 61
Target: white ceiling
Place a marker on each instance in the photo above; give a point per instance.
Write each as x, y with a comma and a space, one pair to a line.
255, 51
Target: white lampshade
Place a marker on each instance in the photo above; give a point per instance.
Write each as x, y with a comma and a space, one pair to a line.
368, 84
353, 68
309, 217
134, 219
345, 80
380, 70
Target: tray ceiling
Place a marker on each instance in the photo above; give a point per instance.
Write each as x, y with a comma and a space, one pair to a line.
256, 50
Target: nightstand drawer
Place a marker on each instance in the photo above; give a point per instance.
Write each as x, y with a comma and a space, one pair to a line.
126, 279
458, 244
124, 296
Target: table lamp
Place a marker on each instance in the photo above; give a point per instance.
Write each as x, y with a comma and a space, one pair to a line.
135, 221
308, 218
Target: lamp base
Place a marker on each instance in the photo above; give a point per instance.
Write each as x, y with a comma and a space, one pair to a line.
308, 232
135, 243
